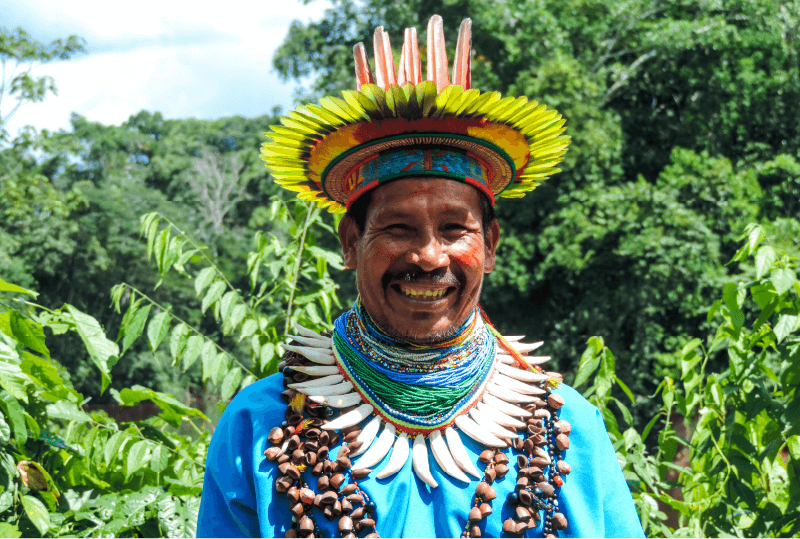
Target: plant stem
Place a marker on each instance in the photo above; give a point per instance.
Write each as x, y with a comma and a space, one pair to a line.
298, 264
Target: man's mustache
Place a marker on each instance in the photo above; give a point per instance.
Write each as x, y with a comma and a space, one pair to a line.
419, 276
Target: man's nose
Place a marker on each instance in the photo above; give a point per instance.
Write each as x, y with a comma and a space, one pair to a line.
430, 254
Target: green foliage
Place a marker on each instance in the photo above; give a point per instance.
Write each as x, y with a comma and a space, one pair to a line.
68, 472
19, 54
741, 456
289, 283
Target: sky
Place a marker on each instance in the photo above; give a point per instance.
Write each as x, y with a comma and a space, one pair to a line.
184, 59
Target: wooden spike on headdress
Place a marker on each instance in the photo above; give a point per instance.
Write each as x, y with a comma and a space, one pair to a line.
363, 71
437, 54
410, 70
384, 60
462, 64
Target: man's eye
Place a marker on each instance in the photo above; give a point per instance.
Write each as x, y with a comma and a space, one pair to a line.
398, 227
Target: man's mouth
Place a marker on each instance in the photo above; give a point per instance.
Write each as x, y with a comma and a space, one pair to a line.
422, 294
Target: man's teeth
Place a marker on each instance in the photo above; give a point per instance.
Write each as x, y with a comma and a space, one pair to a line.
433, 294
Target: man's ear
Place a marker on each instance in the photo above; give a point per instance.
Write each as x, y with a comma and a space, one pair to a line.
348, 238
490, 244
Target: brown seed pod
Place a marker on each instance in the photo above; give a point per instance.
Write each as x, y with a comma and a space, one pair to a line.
283, 484
294, 420
275, 435
297, 510
522, 483
351, 436
312, 434
547, 488
272, 453
298, 456
564, 427
366, 524
489, 475
522, 461
337, 508
559, 521
342, 462
346, 506
541, 412
310, 459
474, 514
337, 481
361, 473
322, 453
349, 489
305, 525
510, 526
500, 458
293, 472
324, 483
555, 401
562, 442
307, 495
345, 524
355, 446
563, 468
355, 498
358, 513
486, 456
294, 442
283, 458
485, 510
327, 512
539, 462
328, 498
501, 470
324, 438
318, 469
522, 514
525, 498
474, 531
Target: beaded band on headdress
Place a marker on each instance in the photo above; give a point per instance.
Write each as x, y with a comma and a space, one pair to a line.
397, 126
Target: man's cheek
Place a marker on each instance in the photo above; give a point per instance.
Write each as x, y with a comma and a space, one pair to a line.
470, 257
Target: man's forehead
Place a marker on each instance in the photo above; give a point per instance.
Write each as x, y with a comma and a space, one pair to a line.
404, 198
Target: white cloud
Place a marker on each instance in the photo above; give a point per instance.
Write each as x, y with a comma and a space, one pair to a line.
198, 59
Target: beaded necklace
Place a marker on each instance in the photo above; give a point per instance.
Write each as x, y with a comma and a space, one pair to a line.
416, 402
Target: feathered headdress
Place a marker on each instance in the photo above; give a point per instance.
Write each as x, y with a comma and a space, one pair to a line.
395, 125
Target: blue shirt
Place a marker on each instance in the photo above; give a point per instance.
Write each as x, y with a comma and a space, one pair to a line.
239, 497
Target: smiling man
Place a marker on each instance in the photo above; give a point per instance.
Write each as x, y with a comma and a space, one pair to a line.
414, 417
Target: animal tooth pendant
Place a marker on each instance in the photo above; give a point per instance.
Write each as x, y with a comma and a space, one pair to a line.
324, 391
478, 433
317, 355
443, 457
366, 436
351, 418
337, 401
459, 452
378, 449
400, 452
419, 461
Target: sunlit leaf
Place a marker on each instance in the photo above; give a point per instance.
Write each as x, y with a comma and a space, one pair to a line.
157, 329
36, 512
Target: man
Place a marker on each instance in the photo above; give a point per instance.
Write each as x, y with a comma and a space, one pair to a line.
414, 417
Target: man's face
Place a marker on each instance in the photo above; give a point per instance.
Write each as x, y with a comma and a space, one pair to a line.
421, 258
